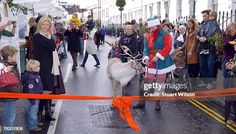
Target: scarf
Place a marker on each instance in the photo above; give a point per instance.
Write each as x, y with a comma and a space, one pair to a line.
47, 35
56, 63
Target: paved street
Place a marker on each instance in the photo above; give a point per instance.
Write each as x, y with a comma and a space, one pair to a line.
97, 117
75, 116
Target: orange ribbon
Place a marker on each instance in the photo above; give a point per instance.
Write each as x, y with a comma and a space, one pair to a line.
124, 103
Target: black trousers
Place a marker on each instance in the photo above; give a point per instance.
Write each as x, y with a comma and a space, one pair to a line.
74, 56
45, 104
86, 57
228, 105
193, 70
102, 38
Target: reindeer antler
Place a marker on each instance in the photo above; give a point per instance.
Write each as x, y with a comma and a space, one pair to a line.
137, 55
126, 52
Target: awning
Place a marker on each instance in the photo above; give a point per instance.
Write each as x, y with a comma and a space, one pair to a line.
25, 1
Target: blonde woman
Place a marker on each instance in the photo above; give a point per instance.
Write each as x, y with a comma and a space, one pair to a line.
44, 45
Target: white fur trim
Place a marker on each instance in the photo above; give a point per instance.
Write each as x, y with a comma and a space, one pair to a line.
162, 71
160, 56
145, 58
152, 23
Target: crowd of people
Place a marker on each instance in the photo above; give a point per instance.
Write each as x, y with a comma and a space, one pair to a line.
45, 44
186, 46
164, 48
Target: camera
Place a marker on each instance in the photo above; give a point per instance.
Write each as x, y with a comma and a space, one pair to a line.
13, 22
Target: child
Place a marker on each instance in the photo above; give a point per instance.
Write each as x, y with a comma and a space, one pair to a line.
213, 24
75, 19
90, 46
112, 52
9, 54
31, 82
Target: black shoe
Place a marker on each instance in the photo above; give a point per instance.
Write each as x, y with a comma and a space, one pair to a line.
158, 107
73, 68
139, 106
97, 65
48, 116
39, 116
53, 104
82, 65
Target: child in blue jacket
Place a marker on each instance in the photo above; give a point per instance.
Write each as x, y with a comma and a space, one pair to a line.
31, 82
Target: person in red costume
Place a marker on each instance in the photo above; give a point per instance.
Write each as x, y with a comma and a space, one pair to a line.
157, 47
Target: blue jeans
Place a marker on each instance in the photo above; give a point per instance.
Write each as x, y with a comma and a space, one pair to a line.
32, 114
207, 66
9, 115
65, 50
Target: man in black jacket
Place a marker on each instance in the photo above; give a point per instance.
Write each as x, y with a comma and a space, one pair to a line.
206, 50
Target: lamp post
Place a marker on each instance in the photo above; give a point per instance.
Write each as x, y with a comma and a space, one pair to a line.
120, 4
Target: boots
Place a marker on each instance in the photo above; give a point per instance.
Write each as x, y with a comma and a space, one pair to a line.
40, 116
48, 112
40, 110
157, 105
141, 104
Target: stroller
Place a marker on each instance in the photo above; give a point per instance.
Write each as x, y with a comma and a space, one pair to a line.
60, 43
60, 49
180, 75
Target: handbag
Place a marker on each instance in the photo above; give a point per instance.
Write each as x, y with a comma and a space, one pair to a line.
8, 79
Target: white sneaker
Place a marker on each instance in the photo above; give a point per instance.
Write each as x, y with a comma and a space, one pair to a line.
210, 86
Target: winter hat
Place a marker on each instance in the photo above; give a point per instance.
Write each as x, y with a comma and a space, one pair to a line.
154, 21
76, 20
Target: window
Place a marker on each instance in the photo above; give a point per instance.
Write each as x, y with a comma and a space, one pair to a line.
166, 7
215, 5
150, 11
107, 12
145, 16
158, 8
103, 13
179, 8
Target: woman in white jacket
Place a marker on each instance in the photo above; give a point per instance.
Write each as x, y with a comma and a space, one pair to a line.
90, 46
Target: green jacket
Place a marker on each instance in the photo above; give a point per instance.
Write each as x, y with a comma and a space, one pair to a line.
141, 30
5, 33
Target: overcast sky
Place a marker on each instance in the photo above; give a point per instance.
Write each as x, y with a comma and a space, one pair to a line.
82, 3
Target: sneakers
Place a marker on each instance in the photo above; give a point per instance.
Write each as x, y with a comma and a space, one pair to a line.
36, 129
210, 86
97, 65
74, 67
231, 122
82, 65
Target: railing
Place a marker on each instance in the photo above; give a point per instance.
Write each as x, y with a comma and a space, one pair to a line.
224, 18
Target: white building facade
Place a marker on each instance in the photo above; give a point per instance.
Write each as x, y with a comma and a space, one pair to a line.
171, 9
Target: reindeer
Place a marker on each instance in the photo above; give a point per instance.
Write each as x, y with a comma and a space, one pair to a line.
121, 73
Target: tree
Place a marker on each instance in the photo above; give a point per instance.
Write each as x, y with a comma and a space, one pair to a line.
120, 4
15, 8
